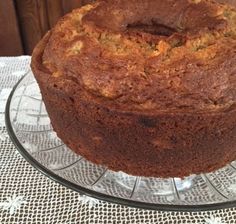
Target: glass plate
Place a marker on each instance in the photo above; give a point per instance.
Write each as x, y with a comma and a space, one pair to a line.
29, 126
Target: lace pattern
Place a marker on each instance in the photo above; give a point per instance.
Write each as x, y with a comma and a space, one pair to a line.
27, 196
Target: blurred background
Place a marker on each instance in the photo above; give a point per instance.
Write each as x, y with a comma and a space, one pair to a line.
24, 22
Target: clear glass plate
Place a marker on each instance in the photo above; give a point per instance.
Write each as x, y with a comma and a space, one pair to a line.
30, 129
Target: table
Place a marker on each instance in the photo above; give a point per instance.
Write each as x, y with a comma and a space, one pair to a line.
27, 196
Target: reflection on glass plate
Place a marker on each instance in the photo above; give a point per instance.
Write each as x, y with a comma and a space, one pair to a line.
30, 129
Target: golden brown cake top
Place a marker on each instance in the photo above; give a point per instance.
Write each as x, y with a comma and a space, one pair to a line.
150, 55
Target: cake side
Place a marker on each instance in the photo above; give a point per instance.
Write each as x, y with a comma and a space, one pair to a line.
161, 145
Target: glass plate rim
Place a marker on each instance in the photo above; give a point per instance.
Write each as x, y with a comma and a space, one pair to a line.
92, 193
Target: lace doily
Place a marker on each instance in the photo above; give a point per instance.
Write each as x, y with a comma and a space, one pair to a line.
27, 196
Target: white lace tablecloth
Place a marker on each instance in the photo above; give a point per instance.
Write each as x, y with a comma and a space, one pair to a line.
27, 196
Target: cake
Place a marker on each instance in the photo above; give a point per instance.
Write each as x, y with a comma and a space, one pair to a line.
147, 87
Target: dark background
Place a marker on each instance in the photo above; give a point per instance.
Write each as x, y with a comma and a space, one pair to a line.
24, 22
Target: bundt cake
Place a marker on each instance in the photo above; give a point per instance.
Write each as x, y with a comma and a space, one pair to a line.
147, 87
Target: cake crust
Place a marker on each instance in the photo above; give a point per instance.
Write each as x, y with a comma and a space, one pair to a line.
137, 96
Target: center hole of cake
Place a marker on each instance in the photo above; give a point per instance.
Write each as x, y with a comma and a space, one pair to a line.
154, 29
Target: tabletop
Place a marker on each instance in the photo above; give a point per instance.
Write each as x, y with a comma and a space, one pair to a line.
27, 196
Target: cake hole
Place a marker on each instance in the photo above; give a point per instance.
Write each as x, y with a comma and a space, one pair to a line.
154, 29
